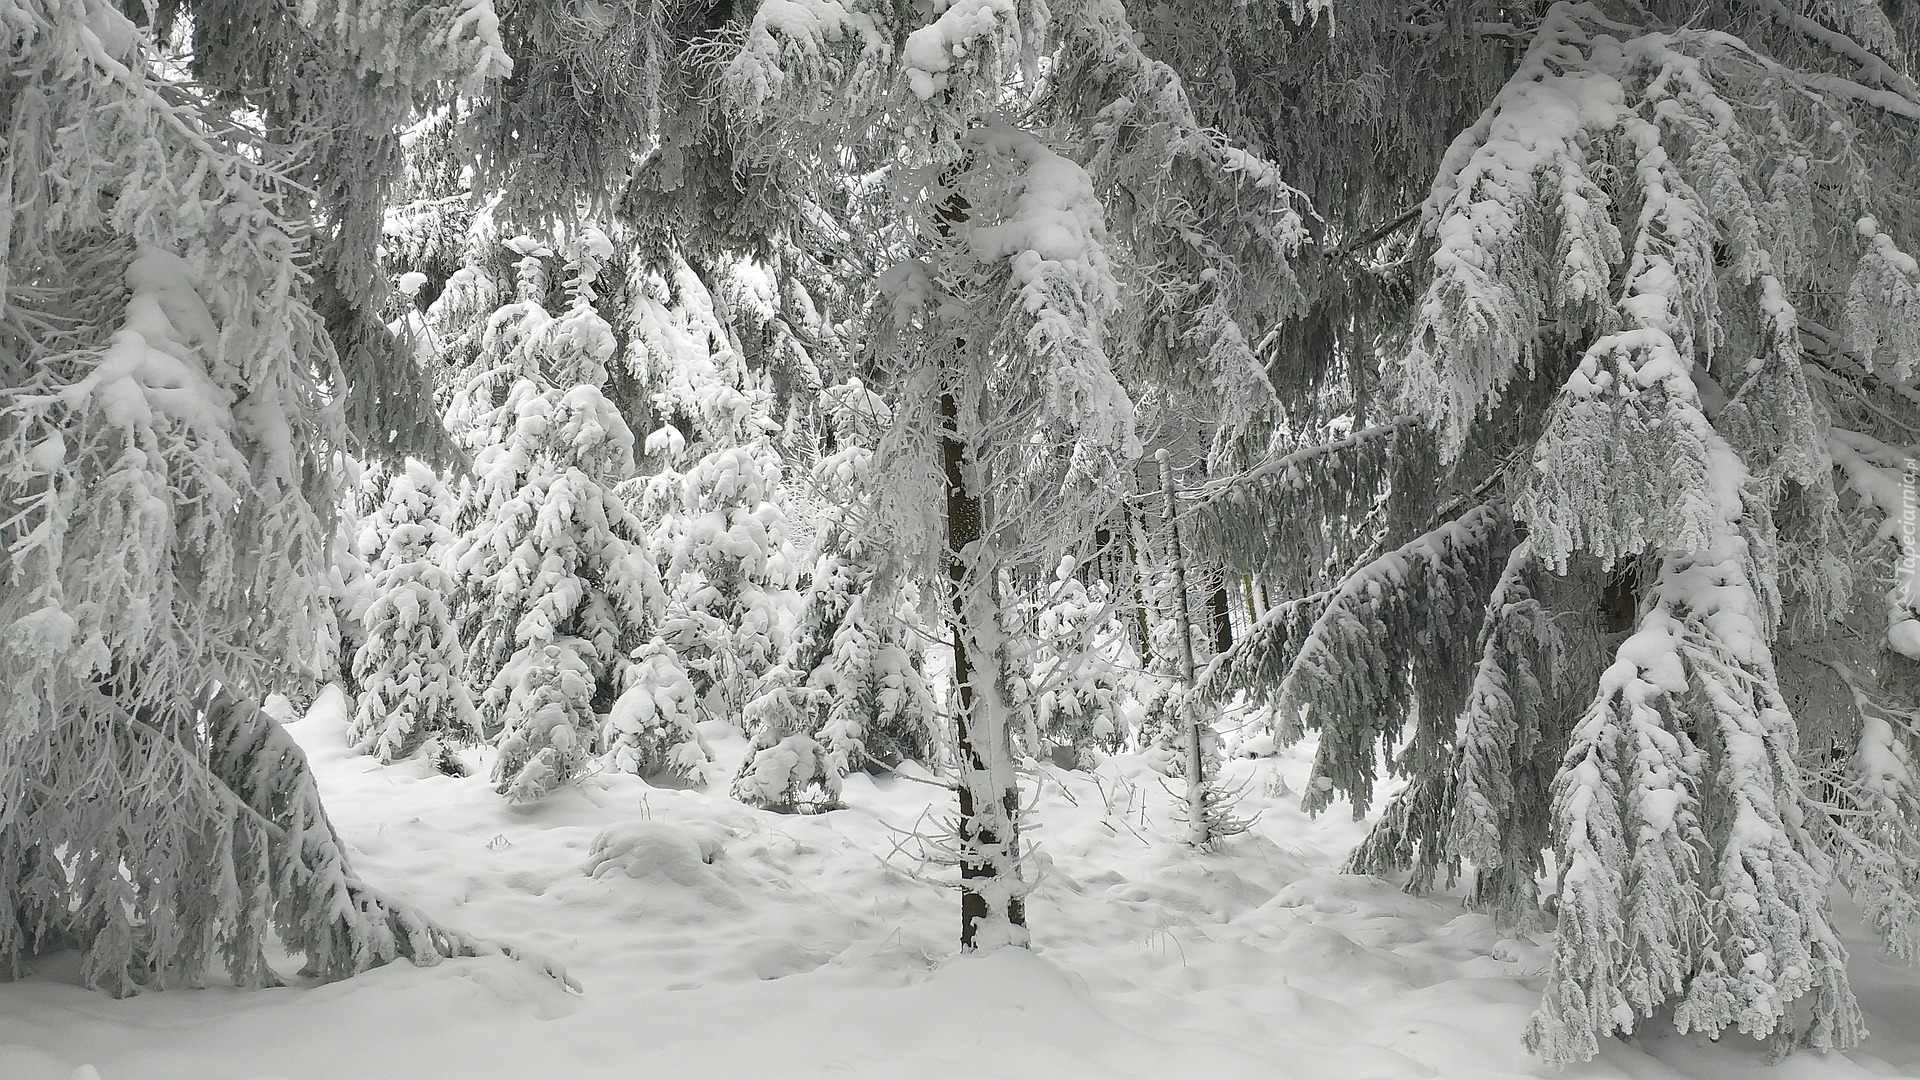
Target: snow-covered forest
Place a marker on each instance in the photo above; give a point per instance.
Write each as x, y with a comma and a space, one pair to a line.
959, 538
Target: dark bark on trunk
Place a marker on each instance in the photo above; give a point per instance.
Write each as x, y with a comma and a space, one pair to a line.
977, 832
1137, 574
1222, 616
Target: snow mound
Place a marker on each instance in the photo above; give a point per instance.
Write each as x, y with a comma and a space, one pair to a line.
657, 850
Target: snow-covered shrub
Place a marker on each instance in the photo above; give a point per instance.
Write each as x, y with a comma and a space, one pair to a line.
547, 728
651, 729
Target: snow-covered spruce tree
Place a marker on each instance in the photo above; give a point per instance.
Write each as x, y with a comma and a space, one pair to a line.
164, 458
849, 690
718, 529
554, 572
411, 670
1664, 262
729, 571
1078, 687
486, 331
652, 728
993, 326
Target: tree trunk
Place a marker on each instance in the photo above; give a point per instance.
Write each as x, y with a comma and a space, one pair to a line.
1197, 830
1137, 577
1222, 615
989, 841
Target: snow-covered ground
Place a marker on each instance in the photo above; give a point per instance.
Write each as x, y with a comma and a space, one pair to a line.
717, 941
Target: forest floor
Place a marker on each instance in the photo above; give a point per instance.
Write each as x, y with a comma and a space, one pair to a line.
715, 941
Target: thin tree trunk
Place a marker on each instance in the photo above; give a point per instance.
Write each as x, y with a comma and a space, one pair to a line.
1137, 575
1197, 832
989, 794
1221, 611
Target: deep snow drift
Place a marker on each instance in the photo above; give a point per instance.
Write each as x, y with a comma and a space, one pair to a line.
714, 940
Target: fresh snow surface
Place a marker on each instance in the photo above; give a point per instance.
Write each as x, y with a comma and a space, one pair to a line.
718, 941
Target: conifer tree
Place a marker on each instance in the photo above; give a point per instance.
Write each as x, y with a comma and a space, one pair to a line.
169, 401
554, 573
1657, 284
652, 729
728, 568
995, 327
849, 691
1206, 815
1077, 677
411, 669
349, 591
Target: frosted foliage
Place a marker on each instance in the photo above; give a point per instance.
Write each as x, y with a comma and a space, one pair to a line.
651, 728
1882, 319
1863, 20
349, 591
1883, 479
1874, 800
858, 416
456, 41
793, 49
1214, 226
1687, 874
554, 555
793, 53
1077, 680
169, 511
1507, 715
1629, 436
980, 41
1517, 177
680, 349
411, 670
849, 691
522, 340
1648, 218
774, 309
1040, 225
1290, 517
881, 710
728, 568
576, 346
1535, 244
787, 768
1476, 785
1032, 252
1362, 671
547, 727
